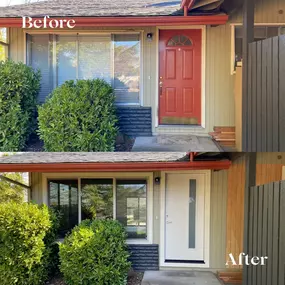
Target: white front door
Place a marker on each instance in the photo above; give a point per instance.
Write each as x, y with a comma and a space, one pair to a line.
185, 218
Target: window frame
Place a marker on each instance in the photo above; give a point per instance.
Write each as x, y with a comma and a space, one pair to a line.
6, 45
147, 176
233, 37
110, 33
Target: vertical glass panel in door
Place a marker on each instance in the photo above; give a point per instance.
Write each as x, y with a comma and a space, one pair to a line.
127, 68
96, 199
131, 208
192, 213
63, 197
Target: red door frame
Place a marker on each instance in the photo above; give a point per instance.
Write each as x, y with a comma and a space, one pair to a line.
201, 79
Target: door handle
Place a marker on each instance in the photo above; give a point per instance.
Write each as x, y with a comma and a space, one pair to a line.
168, 222
160, 87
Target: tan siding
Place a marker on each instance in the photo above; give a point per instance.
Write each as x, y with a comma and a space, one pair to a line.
219, 188
156, 210
269, 167
219, 81
235, 208
36, 184
16, 40
266, 11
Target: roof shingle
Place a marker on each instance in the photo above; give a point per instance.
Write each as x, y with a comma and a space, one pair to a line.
93, 8
92, 157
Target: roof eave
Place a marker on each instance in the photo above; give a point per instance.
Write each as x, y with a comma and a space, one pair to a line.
115, 167
219, 19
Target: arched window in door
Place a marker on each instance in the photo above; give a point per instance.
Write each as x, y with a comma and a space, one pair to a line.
179, 40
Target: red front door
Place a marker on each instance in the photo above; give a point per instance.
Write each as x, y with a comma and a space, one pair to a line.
180, 77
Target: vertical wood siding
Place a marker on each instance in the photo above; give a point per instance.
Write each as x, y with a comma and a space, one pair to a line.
266, 11
266, 234
219, 189
265, 119
235, 208
269, 167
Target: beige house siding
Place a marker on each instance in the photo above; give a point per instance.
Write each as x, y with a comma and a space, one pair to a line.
219, 105
36, 186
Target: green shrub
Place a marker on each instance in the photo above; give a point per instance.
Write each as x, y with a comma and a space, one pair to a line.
24, 256
95, 253
19, 87
79, 116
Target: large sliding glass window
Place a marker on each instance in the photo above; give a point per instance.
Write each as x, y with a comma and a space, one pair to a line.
124, 200
131, 207
112, 57
97, 199
63, 197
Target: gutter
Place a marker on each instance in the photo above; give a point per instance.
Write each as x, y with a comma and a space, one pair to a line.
115, 166
148, 21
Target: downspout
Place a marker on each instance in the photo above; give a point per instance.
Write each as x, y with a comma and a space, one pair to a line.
187, 5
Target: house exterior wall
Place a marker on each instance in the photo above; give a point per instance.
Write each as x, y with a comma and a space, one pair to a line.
219, 105
218, 204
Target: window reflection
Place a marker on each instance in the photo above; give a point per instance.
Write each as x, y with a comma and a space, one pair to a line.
131, 207
97, 199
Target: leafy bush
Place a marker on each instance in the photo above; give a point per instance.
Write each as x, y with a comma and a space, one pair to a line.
19, 87
24, 256
79, 116
95, 253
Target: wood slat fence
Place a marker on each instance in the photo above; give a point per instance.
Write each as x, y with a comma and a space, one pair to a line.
266, 234
264, 125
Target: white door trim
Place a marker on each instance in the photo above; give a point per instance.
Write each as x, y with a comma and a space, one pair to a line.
162, 262
203, 69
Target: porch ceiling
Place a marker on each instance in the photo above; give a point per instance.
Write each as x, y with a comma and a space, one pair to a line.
82, 162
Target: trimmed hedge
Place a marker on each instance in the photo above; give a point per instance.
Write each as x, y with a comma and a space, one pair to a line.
79, 116
19, 88
27, 237
95, 253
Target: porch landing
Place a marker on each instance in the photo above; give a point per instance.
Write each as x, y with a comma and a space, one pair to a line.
180, 278
183, 143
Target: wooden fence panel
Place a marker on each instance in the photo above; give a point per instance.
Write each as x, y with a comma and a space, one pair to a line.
266, 234
264, 130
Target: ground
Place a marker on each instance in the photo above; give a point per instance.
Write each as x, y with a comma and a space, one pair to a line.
133, 279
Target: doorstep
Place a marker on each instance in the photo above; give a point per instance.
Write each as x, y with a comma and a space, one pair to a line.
180, 278
184, 143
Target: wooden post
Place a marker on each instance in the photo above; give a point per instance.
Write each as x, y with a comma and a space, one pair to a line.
248, 37
250, 181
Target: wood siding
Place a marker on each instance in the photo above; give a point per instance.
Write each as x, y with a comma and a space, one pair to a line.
269, 167
265, 117
235, 208
266, 11
266, 234
218, 235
